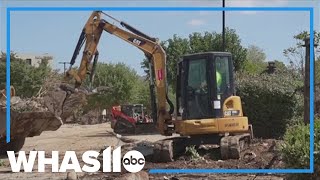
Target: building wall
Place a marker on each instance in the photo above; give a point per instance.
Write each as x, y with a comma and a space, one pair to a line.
35, 59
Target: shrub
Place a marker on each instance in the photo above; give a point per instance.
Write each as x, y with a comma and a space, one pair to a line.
192, 152
269, 101
296, 148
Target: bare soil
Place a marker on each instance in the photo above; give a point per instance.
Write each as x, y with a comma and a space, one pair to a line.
80, 138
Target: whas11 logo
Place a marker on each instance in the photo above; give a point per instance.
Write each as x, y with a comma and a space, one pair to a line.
133, 161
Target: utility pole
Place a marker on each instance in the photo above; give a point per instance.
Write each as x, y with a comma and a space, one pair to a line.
64, 66
223, 28
307, 80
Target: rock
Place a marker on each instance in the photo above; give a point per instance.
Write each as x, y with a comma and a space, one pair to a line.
72, 176
174, 178
72, 104
207, 147
146, 148
54, 101
142, 175
249, 156
26, 105
92, 117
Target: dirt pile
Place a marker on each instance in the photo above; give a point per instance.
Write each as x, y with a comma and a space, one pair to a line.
262, 154
29, 117
64, 101
68, 103
92, 117
28, 104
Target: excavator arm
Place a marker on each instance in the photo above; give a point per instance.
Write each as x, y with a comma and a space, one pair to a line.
91, 35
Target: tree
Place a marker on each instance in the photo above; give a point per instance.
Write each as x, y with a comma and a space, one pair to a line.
255, 62
280, 65
317, 70
124, 84
255, 54
26, 79
197, 42
141, 93
296, 53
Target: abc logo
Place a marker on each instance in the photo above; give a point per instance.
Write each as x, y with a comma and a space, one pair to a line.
133, 161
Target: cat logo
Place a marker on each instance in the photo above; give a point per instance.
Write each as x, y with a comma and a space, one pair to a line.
137, 41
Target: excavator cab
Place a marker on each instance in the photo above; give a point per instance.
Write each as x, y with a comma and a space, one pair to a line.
204, 82
208, 111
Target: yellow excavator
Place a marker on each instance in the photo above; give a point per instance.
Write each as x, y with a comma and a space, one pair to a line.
207, 111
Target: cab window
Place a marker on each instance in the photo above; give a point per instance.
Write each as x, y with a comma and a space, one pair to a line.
222, 74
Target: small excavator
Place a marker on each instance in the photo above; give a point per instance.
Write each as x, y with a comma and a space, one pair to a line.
207, 109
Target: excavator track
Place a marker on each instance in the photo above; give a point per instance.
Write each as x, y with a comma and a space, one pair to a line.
124, 127
167, 150
232, 146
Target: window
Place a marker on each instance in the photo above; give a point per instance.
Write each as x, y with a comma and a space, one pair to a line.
222, 74
197, 93
197, 73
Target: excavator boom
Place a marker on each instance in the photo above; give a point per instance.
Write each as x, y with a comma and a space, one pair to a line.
91, 35
208, 112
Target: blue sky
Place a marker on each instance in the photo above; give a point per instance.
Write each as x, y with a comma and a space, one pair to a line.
57, 33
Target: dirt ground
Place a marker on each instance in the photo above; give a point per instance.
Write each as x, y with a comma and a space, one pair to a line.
80, 138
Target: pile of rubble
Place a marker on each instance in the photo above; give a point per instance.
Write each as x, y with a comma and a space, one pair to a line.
92, 117
24, 105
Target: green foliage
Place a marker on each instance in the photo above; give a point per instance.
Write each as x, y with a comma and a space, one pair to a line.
119, 78
256, 61
176, 47
125, 86
254, 67
296, 53
296, 148
269, 101
255, 54
2, 163
141, 93
192, 152
280, 65
26, 79
317, 71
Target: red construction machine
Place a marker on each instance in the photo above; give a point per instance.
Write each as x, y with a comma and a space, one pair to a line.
131, 119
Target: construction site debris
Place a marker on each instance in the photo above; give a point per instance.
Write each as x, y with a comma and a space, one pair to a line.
262, 154
142, 175
92, 117
72, 175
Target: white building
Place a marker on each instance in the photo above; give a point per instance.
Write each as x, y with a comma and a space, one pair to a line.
35, 59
